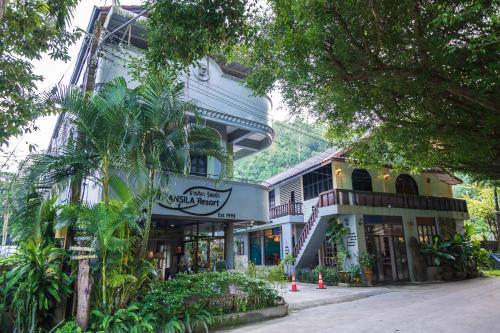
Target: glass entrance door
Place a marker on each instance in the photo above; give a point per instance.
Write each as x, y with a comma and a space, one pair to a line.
385, 239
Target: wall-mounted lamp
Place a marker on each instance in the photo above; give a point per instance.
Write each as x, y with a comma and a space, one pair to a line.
360, 222
338, 172
386, 176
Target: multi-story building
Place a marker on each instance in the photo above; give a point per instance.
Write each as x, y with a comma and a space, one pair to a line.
388, 214
195, 228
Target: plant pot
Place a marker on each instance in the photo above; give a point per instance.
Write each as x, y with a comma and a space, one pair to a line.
368, 275
343, 276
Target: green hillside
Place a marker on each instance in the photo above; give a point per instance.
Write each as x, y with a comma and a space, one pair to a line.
289, 148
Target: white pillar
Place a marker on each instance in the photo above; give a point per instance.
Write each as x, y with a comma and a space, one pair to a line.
229, 245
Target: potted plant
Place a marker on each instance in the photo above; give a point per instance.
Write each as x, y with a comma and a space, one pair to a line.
441, 254
366, 262
341, 258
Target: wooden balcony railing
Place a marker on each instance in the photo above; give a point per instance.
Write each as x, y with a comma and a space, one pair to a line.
394, 200
291, 208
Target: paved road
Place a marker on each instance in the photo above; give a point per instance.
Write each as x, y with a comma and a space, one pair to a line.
465, 306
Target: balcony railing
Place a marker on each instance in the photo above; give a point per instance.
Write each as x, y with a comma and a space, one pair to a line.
291, 208
376, 199
394, 200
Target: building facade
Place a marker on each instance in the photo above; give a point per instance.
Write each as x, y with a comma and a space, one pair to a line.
194, 229
387, 213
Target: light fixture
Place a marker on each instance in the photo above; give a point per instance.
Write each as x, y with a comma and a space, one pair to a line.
172, 225
338, 172
386, 176
360, 222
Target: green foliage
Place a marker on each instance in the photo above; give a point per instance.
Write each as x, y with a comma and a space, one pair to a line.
495, 272
420, 78
130, 319
192, 300
480, 203
182, 32
460, 253
337, 234
366, 260
288, 149
32, 284
69, 327
27, 30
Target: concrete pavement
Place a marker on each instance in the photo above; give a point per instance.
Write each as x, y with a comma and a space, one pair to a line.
308, 296
458, 307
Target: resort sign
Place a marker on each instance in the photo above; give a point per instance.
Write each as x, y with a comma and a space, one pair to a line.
198, 200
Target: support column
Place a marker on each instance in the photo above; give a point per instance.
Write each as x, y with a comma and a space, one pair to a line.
229, 245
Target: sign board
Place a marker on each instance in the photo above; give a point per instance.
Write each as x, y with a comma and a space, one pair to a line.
84, 256
199, 200
351, 239
82, 248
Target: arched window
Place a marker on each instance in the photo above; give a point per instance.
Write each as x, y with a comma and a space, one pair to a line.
361, 180
405, 184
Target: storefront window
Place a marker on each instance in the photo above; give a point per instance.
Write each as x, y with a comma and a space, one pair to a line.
255, 248
272, 246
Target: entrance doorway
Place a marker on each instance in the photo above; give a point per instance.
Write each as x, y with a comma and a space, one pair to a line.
384, 237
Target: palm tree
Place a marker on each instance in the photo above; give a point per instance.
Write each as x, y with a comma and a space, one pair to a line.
164, 134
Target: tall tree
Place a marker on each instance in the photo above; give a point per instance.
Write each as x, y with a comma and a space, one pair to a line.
163, 137
420, 78
28, 29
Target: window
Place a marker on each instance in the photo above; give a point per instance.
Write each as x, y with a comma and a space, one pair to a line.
361, 180
405, 184
292, 196
317, 181
199, 165
272, 199
427, 229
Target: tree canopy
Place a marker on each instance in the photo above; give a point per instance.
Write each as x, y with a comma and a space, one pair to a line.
412, 83
28, 29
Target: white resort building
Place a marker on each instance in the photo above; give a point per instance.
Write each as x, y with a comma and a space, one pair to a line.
388, 215
187, 236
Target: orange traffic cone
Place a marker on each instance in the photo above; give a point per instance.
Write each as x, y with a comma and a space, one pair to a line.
294, 284
320, 282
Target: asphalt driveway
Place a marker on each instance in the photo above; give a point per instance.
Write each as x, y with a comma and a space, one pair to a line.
464, 306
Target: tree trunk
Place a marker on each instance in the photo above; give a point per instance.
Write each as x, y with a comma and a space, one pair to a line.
3, 7
149, 217
84, 288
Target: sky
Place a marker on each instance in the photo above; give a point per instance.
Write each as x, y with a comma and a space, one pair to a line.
55, 72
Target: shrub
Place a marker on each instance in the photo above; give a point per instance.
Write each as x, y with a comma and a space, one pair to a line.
193, 300
130, 319
32, 285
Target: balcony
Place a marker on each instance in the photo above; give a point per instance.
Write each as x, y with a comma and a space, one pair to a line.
291, 208
390, 200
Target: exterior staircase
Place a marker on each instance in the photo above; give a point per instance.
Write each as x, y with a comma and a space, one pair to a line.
313, 234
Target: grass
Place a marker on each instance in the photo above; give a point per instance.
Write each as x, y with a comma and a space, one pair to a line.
493, 272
